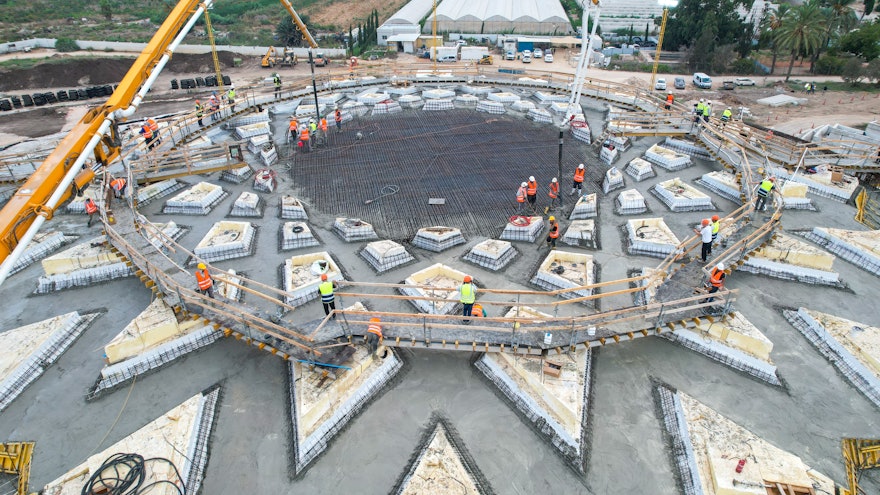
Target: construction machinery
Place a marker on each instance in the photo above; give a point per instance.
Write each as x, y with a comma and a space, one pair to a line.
485, 60
279, 57
321, 60
95, 142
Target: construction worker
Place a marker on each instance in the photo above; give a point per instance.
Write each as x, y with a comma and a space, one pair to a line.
374, 335
154, 126
669, 100
325, 290
147, 133
230, 97
313, 130
118, 186
91, 209
554, 232
716, 281
578, 180
304, 140
276, 80
698, 110
323, 127
477, 311
468, 294
726, 114
553, 193
204, 280
338, 117
764, 190
292, 129
532, 192
705, 232
200, 111
520, 198
716, 227
707, 111
214, 105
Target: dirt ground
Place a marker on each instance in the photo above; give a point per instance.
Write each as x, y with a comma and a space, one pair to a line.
322, 14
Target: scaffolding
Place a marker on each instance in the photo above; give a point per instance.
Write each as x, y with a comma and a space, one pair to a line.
15, 459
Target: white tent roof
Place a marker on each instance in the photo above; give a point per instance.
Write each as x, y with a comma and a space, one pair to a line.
495, 10
411, 13
404, 37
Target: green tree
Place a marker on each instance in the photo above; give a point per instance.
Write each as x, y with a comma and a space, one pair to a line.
66, 45
869, 7
863, 42
872, 71
770, 24
703, 25
852, 71
287, 31
801, 32
838, 18
647, 33
107, 7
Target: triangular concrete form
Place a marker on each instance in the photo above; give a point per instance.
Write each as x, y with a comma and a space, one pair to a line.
790, 258
322, 405
441, 464
708, 449
29, 350
853, 348
181, 435
856, 246
558, 406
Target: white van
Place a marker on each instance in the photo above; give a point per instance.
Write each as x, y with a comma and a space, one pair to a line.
702, 80
448, 58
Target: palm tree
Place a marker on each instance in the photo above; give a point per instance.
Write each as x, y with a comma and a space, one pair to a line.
801, 31
770, 23
839, 17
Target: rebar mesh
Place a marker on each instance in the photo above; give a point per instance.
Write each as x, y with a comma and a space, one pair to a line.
473, 160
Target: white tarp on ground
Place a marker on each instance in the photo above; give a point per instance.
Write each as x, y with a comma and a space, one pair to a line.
781, 100
492, 16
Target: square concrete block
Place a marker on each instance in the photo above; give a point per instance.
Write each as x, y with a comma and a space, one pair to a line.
227, 240
492, 254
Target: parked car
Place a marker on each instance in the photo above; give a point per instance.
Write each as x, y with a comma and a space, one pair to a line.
744, 81
679, 83
538, 53
702, 80
527, 58
548, 57
510, 55
527, 52
660, 84
728, 85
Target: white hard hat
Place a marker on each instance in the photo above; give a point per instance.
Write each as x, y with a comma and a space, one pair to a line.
523, 184
702, 100
720, 266
531, 177
581, 166
554, 180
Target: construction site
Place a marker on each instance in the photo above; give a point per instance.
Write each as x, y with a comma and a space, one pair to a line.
612, 362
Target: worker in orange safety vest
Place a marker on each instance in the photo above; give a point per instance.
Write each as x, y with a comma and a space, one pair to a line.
118, 186
520, 198
293, 130
338, 117
154, 126
204, 281
716, 280
91, 209
578, 180
669, 100
147, 133
304, 141
374, 335
477, 311
532, 192
553, 193
554, 232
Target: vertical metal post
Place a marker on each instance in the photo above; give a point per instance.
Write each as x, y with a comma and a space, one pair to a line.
559, 163
314, 86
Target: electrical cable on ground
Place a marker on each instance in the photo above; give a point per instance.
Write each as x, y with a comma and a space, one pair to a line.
125, 474
388, 190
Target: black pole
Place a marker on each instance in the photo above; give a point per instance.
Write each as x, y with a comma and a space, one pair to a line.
315, 87
559, 161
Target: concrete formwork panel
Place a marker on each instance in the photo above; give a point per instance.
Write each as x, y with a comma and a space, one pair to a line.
247, 204
581, 131
296, 235
722, 183
503, 97
415, 101
492, 254
522, 106
199, 199
477, 90
687, 147
667, 159
794, 196
237, 175
386, 106
521, 228
587, 206
84, 264
385, 255
679, 196
302, 275
640, 169
160, 234
438, 94
78, 204
292, 208
581, 233
157, 190
226, 240
466, 101
540, 115
548, 97
630, 202
444, 282
354, 230
861, 248
650, 237
438, 238
566, 270
613, 180
42, 245
438, 105
492, 107
788, 258
251, 130
256, 143
821, 182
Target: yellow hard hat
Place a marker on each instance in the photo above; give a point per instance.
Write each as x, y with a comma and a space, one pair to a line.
202, 266
552, 218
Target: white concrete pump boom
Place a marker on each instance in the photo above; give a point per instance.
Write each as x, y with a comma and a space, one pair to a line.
574, 101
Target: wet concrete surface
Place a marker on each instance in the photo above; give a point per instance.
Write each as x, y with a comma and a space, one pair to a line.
250, 448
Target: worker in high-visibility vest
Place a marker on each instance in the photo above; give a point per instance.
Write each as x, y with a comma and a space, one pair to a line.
716, 227
532, 192
670, 98
91, 209
200, 112
468, 294
374, 335
154, 126
477, 311
214, 105
553, 193
328, 299
313, 131
323, 127
118, 186
293, 129
276, 80
337, 116
726, 114
304, 140
204, 281
230, 97
707, 111
578, 183
147, 133
716, 280
764, 190
520, 198
554, 232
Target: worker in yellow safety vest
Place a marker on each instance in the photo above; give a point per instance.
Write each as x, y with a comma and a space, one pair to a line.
468, 295
276, 80
204, 281
328, 299
726, 114
764, 191
374, 335
200, 112
716, 227
230, 97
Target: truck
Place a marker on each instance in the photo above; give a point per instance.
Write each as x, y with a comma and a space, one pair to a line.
280, 57
473, 53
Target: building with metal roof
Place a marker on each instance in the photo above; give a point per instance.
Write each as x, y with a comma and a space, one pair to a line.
491, 16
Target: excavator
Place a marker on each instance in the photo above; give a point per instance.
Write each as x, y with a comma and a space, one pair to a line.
95, 142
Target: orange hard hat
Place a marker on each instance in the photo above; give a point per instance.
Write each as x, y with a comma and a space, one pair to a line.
714, 218
705, 222
772, 179
467, 278
323, 276
374, 320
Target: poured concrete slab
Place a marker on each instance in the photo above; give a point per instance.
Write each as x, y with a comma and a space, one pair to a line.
354, 229
302, 275
444, 282
566, 270
296, 235
199, 199
181, 435
321, 404
650, 237
667, 158
640, 169
441, 465
522, 228
385, 255
789, 258
587, 206
492, 254
630, 202
852, 347
582, 233
227, 240
84, 264
710, 447
29, 350
861, 248
438, 238
679, 196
